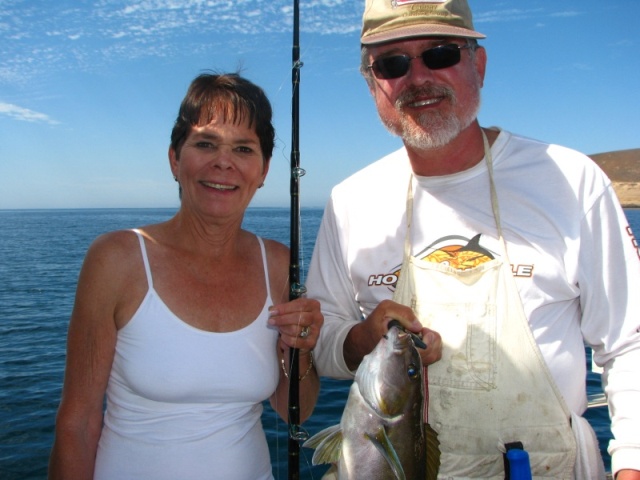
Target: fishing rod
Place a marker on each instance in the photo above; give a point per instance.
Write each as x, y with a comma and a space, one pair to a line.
297, 289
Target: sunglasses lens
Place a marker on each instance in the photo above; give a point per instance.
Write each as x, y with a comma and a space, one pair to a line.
440, 57
391, 67
435, 58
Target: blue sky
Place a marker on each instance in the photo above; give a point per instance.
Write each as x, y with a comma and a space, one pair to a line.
89, 90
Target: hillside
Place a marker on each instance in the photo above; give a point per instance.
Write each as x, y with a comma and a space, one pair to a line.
623, 168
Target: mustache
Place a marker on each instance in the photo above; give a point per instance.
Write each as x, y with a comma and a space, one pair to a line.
412, 94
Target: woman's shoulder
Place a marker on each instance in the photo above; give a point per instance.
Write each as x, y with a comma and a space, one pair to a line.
113, 253
275, 248
112, 280
116, 242
277, 254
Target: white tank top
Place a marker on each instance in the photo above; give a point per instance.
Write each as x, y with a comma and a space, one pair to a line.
184, 403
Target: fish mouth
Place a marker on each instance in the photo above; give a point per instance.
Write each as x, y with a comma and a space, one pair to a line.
219, 186
399, 337
401, 343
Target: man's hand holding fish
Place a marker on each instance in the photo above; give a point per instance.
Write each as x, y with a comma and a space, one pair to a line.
367, 334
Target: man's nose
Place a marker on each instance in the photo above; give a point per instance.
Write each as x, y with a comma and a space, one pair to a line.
419, 73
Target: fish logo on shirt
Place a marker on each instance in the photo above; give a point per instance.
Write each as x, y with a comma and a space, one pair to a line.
454, 251
460, 257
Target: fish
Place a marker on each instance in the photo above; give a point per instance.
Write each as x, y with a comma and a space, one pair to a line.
381, 434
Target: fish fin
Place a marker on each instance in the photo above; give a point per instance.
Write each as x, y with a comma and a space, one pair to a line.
328, 445
383, 444
321, 436
433, 452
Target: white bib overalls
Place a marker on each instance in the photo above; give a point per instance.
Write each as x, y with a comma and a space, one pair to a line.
492, 386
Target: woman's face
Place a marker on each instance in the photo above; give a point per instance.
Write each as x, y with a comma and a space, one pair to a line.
219, 167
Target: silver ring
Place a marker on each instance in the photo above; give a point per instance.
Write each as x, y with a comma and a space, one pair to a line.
305, 332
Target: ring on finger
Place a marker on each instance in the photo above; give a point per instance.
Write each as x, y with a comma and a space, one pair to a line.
305, 332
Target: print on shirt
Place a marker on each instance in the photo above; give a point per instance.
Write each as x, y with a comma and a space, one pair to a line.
454, 251
456, 255
634, 242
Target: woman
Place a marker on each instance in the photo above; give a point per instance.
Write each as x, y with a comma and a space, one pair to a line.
175, 321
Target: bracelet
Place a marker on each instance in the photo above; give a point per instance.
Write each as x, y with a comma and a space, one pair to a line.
304, 375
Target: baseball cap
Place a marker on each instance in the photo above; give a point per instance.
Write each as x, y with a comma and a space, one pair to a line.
387, 20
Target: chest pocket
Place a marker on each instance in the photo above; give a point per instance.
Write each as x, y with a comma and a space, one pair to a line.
461, 306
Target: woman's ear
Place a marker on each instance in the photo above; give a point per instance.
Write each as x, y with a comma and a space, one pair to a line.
173, 162
265, 169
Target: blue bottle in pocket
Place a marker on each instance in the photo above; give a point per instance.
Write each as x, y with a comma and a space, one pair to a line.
519, 468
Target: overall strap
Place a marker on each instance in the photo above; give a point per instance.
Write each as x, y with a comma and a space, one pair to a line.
494, 196
494, 201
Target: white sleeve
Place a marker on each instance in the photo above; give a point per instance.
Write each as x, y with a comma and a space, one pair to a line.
610, 297
329, 282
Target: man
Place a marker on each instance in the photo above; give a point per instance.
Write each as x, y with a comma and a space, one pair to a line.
511, 253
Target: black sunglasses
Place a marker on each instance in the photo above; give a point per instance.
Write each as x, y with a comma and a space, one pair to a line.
436, 58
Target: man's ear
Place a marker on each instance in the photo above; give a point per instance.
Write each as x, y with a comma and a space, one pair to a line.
481, 63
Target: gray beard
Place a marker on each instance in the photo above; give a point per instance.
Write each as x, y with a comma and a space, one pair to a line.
431, 130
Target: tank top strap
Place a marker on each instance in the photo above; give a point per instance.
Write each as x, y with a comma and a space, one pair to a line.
145, 259
147, 268
265, 266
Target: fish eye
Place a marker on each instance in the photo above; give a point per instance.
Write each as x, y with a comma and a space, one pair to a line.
412, 371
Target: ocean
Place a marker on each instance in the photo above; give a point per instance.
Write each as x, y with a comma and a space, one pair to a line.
41, 252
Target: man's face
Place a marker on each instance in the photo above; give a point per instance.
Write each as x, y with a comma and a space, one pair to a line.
429, 108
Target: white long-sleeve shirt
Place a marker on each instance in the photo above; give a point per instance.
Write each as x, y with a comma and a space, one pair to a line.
574, 257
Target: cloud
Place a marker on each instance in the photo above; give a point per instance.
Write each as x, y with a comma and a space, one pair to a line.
506, 15
622, 43
24, 114
568, 13
518, 14
41, 36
